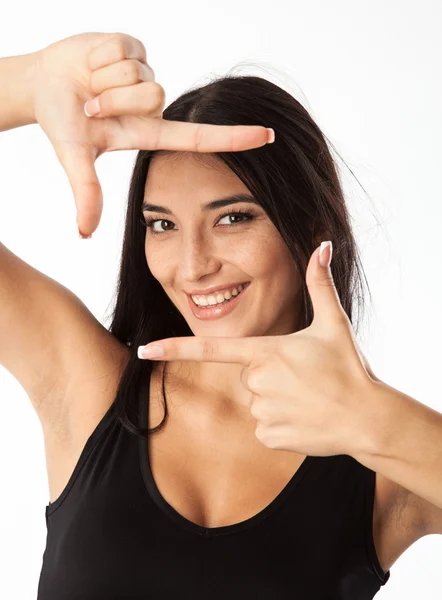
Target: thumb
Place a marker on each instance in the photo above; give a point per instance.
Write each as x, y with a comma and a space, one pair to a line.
78, 161
319, 279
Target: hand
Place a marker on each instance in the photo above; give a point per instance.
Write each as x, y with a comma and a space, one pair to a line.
112, 67
309, 390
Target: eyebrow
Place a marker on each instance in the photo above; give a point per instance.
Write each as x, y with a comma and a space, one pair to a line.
220, 203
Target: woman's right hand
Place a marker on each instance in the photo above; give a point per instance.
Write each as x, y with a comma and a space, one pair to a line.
113, 68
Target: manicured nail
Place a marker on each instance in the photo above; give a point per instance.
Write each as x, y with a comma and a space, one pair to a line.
150, 352
84, 237
271, 137
324, 262
92, 107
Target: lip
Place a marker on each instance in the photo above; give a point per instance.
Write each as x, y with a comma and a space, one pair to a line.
215, 288
217, 311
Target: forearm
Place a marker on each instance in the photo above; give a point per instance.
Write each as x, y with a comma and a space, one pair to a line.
404, 442
16, 81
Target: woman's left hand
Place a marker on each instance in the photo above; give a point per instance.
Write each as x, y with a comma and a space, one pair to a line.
310, 391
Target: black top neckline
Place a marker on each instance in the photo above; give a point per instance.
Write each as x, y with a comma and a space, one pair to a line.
180, 519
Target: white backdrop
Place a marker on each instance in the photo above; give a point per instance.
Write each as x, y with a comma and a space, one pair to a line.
370, 74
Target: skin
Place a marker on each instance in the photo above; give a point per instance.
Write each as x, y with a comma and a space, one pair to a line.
191, 255
197, 250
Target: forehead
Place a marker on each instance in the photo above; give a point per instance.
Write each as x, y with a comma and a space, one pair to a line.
184, 174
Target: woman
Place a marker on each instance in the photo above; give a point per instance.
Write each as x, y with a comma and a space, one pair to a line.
205, 506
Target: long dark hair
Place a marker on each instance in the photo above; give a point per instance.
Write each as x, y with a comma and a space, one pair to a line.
296, 182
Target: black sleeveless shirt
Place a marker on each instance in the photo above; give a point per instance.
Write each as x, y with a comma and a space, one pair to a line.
112, 536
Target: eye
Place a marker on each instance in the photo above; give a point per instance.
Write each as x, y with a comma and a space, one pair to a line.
243, 214
149, 224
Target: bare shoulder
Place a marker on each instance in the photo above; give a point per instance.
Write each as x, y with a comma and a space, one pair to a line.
397, 520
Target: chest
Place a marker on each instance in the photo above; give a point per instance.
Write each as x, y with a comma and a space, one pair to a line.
218, 473
215, 472
216, 482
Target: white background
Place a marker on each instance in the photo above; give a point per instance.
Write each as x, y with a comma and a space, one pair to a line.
369, 73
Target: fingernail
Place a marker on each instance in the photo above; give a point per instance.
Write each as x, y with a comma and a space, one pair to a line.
271, 137
150, 352
324, 262
84, 237
92, 107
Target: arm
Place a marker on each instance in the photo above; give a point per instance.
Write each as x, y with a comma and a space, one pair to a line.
16, 80
47, 334
405, 445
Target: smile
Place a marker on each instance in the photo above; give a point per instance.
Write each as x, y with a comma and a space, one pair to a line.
218, 305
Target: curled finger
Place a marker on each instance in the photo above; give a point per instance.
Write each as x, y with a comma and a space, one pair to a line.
124, 73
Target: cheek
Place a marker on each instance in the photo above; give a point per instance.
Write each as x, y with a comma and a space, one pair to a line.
265, 257
274, 262
159, 264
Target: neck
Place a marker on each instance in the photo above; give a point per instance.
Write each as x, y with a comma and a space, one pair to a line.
215, 386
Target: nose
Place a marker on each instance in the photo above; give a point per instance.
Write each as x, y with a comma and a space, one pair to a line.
197, 258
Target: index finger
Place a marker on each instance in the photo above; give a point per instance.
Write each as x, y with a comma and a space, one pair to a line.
149, 133
202, 137
208, 349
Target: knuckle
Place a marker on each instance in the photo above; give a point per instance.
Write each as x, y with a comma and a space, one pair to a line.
131, 70
151, 73
141, 46
271, 346
232, 140
145, 72
127, 45
158, 95
120, 47
208, 350
261, 433
255, 379
255, 411
198, 135
260, 411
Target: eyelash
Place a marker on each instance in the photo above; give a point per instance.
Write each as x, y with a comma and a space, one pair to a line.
248, 217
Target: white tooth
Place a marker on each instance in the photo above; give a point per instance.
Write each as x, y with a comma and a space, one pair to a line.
219, 298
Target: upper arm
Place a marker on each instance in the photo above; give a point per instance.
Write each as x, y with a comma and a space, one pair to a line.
427, 514
48, 337
407, 517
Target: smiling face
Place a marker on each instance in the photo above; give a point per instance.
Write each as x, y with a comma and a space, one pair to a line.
192, 247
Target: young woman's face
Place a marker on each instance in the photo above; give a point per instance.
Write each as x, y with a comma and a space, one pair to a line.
195, 248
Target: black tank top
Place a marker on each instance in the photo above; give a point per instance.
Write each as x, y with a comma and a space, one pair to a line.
112, 536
